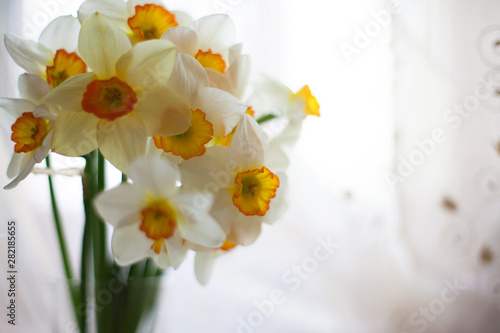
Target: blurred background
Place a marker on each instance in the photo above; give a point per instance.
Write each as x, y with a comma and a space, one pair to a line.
397, 184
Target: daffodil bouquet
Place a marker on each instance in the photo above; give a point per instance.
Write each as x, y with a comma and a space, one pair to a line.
167, 101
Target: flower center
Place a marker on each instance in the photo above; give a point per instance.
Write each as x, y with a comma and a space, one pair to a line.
109, 99
311, 106
28, 132
190, 143
65, 66
254, 190
211, 60
151, 21
159, 220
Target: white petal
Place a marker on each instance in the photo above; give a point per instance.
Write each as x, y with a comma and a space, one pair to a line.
151, 149
275, 158
176, 160
234, 52
32, 57
216, 32
15, 107
69, 94
27, 165
32, 87
176, 250
247, 147
223, 209
279, 203
122, 141
239, 72
74, 133
101, 43
115, 10
164, 112
290, 134
219, 81
61, 33
15, 165
203, 265
182, 18
198, 203
42, 111
147, 65
154, 174
223, 110
187, 77
130, 244
162, 260
121, 205
200, 228
184, 38
207, 173
245, 229
270, 96
42, 152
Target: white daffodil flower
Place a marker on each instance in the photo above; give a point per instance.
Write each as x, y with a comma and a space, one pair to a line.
244, 188
286, 111
273, 97
214, 111
210, 40
54, 58
122, 102
32, 127
152, 218
140, 19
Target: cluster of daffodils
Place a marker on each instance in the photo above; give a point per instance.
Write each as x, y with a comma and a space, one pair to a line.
167, 101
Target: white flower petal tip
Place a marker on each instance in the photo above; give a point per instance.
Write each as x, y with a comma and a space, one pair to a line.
147, 65
29, 55
117, 145
101, 43
184, 38
215, 31
223, 110
32, 87
26, 167
119, 205
154, 173
61, 33
248, 144
203, 265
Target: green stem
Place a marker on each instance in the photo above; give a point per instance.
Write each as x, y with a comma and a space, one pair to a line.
266, 117
62, 241
60, 232
101, 173
94, 173
86, 247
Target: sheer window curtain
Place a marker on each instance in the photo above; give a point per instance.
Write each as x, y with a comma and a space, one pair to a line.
398, 241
